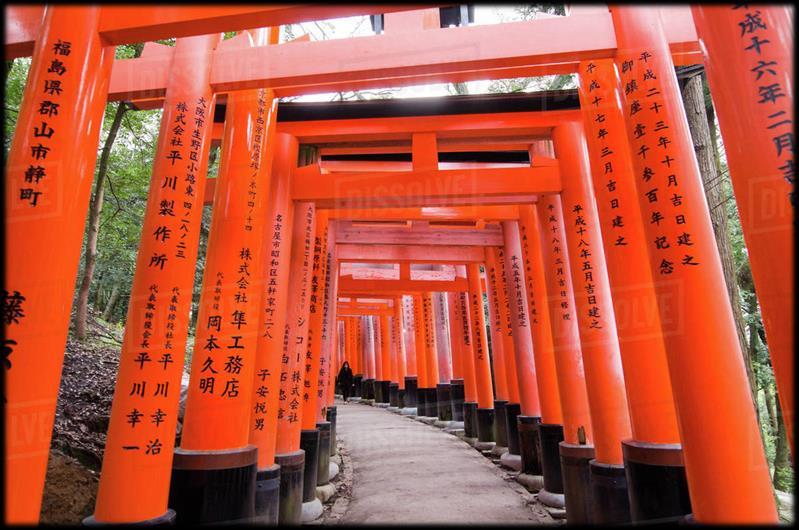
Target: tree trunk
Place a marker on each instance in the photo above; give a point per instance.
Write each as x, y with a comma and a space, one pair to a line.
772, 412
112, 301
95, 208
694, 101
783, 474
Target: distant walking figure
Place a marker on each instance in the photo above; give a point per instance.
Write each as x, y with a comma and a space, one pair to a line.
345, 380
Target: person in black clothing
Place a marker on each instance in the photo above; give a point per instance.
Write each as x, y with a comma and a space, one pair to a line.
345, 380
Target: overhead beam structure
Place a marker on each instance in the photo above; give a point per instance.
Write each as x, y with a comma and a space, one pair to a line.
491, 235
393, 189
409, 253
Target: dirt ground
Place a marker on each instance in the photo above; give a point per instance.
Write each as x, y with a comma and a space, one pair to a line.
69, 491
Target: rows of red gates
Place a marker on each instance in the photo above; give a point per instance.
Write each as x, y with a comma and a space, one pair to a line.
569, 307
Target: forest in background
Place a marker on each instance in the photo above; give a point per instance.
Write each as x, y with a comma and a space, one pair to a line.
122, 176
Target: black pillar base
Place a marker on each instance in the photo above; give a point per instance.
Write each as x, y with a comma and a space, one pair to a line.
485, 425
470, 419
609, 492
393, 395
323, 455
531, 458
292, 467
411, 396
267, 496
444, 401
658, 489
457, 398
167, 519
368, 391
432, 403
401, 398
378, 390
500, 422
421, 402
213, 486
549, 437
331, 417
309, 442
577, 482
385, 390
512, 411
357, 383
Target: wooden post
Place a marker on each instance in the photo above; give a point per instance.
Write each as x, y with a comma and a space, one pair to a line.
48, 183
721, 438
749, 64
139, 447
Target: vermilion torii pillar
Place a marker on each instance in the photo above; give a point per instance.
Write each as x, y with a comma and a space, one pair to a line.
385, 357
456, 334
514, 407
368, 352
398, 360
498, 352
138, 453
653, 457
215, 459
421, 354
720, 437
482, 370
545, 370
469, 409
604, 376
273, 328
749, 64
329, 363
47, 187
316, 465
409, 338
293, 443
576, 446
530, 415
443, 348
427, 391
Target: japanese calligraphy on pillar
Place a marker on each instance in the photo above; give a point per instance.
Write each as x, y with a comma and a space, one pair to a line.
580, 227
766, 71
601, 126
48, 99
502, 280
656, 161
561, 277
528, 274
463, 313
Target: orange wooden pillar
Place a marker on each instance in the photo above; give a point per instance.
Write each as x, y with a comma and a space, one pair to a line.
507, 331
550, 431
538, 311
499, 354
421, 354
431, 351
138, 454
530, 416
749, 64
718, 426
216, 425
653, 456
577, 445
482, 370
456, 344
48, 182
604, 376
368, 349
469, 377
385, 358
442, 337
329, 363
462, 355
273, 324
397, 386
411, 377
315, 431
292, 440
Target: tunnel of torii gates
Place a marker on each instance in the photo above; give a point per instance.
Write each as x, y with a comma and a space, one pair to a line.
614, 373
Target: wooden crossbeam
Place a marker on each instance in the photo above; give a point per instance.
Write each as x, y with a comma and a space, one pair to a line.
491, 235
396, 190
410, 253
397, 287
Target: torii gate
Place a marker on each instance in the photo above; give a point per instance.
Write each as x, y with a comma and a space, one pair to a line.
45, 211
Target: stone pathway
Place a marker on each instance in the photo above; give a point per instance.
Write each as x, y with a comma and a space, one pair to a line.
407, 472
